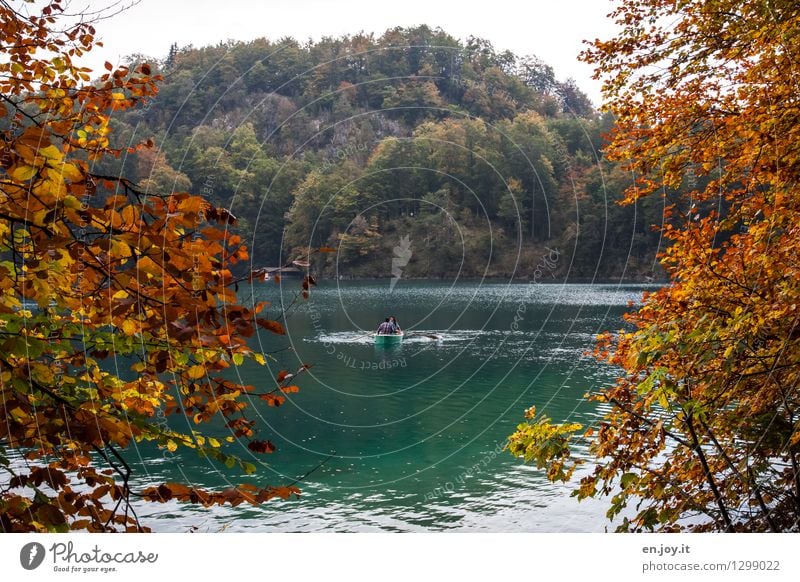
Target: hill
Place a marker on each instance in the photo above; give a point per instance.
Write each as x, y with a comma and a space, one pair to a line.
469, 160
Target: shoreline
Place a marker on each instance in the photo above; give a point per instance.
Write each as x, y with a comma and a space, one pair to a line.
501, 279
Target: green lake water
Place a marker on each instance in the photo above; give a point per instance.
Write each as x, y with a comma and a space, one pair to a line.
414, 432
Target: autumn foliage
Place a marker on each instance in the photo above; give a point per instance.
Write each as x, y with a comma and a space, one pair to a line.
117, 307
703, 431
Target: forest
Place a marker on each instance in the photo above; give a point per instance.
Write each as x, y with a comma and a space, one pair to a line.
134, 201
481, 158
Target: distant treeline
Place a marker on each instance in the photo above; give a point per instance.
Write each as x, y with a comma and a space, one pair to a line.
483, 159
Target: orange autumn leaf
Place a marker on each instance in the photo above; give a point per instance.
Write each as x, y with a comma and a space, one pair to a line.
261, 446
273, 326
119, 300
697, 430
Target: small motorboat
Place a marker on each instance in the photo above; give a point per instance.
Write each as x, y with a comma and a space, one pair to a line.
388, 339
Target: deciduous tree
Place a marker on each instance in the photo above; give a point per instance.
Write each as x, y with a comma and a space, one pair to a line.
703, 431
117, 307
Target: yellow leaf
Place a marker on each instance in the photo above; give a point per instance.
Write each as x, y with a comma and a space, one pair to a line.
51, 152
172, 446
71, 202
130, 214
23, 173
52, 186
42, 373
120, 249
196, 372
130, 327
71, 172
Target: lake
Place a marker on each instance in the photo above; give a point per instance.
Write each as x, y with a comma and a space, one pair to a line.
413, 434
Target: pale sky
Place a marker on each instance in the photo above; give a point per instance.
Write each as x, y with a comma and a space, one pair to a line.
552, 30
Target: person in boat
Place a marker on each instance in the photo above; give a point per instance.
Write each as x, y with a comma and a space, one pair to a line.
385, 328
395, 325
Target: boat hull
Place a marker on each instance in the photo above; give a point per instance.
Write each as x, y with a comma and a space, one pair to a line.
388, 339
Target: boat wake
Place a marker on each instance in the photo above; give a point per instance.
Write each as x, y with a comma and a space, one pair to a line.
411, 336
487, 344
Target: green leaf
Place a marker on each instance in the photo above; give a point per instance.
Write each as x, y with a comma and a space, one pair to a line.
628, 479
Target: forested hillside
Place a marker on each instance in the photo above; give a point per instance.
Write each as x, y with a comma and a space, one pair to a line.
482, 159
